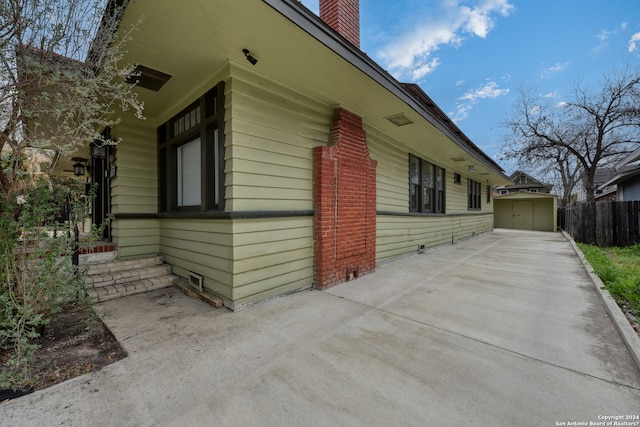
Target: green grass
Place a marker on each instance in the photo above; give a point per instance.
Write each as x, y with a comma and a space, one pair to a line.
619, 270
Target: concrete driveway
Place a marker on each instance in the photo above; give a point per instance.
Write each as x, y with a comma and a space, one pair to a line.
505, 329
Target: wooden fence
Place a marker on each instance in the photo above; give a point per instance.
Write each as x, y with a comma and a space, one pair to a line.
615, 223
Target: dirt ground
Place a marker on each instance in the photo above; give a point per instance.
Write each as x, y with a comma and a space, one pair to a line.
73, 343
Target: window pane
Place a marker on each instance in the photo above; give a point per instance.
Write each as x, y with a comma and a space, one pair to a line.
216, 148
427, 174
427, 199
414, 170
439, 179
414, 191
188, 179
414, 183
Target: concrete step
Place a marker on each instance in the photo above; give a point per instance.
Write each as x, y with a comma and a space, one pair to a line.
109, 292
97, 257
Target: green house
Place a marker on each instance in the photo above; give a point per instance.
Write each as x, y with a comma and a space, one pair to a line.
276, 155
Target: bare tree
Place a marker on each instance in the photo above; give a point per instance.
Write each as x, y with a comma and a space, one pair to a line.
589, 130
61, 80
555, 166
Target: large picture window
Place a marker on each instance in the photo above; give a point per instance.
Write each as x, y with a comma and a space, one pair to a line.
474, 192
426, 186
189, 176
191, 157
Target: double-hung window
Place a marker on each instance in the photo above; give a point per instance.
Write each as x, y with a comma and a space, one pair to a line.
191, 156
426, 186
474, 193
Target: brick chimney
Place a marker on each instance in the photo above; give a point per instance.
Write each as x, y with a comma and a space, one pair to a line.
344, 17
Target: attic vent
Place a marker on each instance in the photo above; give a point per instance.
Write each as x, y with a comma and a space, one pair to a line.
458, 159
399, 119
196, 280
148, 78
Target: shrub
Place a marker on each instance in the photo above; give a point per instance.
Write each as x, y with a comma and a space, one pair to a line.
37, 275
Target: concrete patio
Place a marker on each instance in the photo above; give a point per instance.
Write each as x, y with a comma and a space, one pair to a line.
505, 329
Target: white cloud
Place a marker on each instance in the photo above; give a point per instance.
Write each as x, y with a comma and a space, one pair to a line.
604, 35
489, 90
425, 69
633, 42
554, 69
445, 25
467, 101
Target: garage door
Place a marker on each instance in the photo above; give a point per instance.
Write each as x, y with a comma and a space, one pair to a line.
523, 215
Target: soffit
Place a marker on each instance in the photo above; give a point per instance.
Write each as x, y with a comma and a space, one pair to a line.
194, 40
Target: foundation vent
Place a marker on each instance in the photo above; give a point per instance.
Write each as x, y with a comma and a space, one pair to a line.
196, 280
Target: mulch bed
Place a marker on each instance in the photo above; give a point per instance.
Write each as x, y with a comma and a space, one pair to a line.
75, 342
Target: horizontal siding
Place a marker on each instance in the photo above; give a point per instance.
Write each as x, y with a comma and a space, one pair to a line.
271, 257
203, 247
393, 177
400, 235
135, 187
392, 173
271, 133
136, 237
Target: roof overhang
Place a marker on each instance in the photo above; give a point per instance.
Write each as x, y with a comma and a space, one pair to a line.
621, 177
634, 156
194, 40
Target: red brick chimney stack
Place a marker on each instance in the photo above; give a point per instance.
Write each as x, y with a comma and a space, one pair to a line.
344, 17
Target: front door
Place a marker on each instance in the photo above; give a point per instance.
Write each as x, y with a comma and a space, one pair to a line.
101, 179
523, 215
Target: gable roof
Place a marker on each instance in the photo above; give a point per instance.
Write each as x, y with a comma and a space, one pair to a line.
297, 49
531, 182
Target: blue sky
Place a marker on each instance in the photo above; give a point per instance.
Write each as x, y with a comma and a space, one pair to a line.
472, 57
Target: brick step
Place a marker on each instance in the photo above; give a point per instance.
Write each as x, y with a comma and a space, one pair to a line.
113, 291
124, 265
117, 279
121, 277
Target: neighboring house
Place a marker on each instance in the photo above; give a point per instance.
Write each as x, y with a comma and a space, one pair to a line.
603, 193
523, 182
276, 155
626, 178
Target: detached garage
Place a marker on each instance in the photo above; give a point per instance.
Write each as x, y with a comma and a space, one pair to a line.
526, 211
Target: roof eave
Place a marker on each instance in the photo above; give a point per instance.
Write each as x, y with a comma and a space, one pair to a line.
629, 159
314, 26
621, 177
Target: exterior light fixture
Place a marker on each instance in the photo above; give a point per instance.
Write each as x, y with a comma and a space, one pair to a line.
79, 165
471, 169
98, 151
250, 58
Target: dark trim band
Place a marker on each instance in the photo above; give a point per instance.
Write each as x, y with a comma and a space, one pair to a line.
215, 215
438, 215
